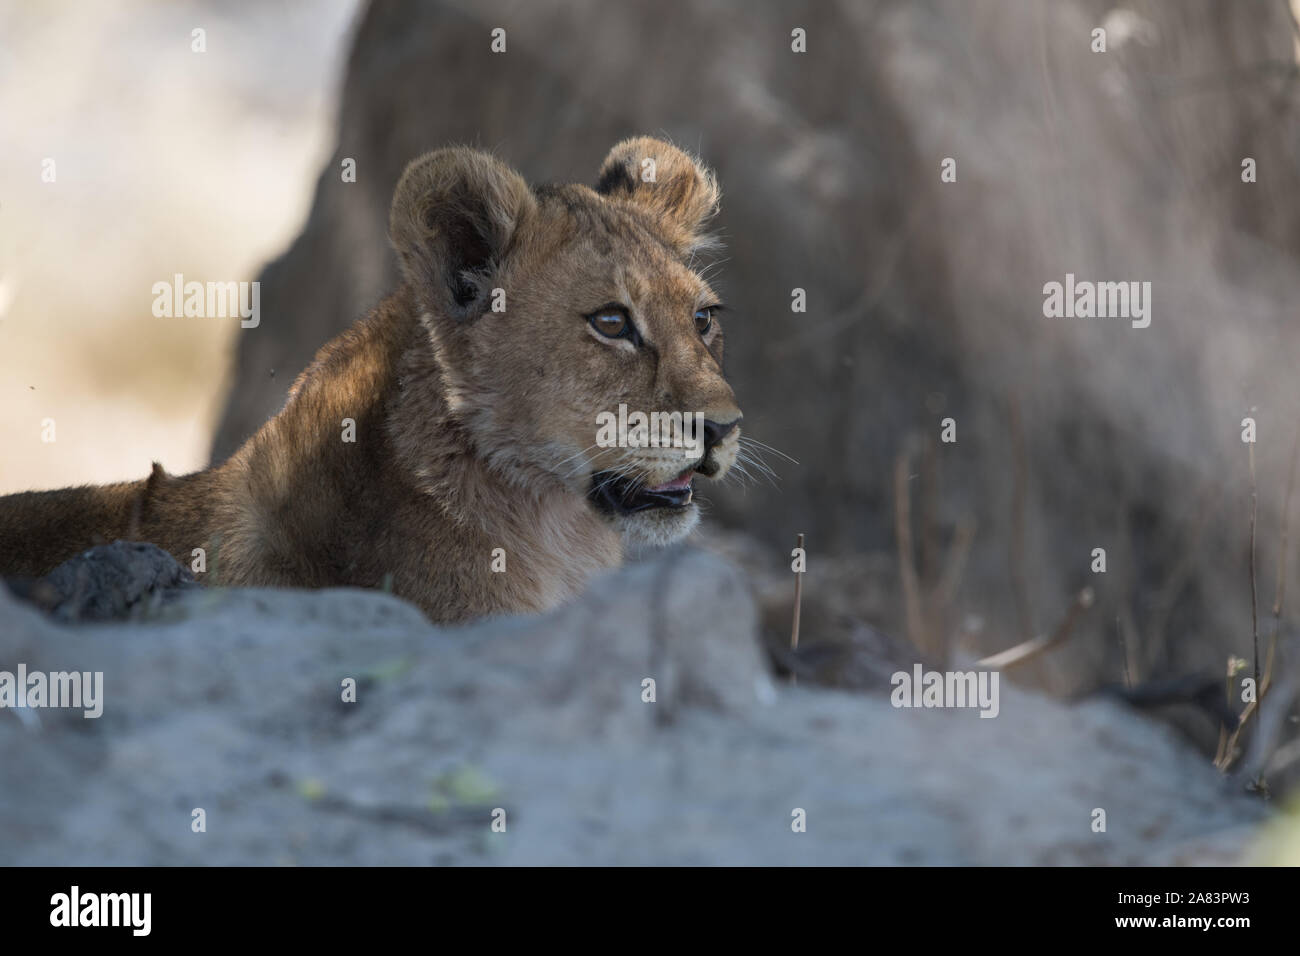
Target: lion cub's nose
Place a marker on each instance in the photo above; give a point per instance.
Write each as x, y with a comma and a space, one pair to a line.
714, 432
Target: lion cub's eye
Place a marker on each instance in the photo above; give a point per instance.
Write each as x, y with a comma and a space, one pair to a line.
611, 322
704, 320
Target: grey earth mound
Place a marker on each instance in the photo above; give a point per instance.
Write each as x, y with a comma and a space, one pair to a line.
231, 701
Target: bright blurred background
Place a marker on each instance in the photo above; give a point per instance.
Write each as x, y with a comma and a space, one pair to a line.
166, 161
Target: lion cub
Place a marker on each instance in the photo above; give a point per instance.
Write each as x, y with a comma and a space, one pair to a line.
472, 476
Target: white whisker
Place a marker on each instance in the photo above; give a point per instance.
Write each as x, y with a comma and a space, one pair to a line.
747, 440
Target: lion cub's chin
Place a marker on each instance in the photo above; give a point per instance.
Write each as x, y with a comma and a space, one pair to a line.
657, 527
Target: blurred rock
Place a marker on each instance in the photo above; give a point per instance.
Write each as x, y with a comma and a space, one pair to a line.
107, 582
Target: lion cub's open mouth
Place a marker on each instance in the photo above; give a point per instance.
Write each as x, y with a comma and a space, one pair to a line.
622, 495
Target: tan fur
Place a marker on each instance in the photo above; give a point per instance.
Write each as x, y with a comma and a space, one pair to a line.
473, 428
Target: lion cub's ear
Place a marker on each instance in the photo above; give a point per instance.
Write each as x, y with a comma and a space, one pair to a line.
454, 214
681, 193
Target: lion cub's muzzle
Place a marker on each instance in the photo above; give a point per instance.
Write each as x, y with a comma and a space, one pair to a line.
714, 433
619, 494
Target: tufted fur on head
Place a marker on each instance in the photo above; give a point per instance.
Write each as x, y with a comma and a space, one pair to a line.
677, 190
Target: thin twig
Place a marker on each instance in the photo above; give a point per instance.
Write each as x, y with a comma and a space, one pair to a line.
1020, 480
906, 558
1028, 650
1254, 602
1123, 652
929, 564
798, 600
1279, 592
1227, 752
1227, 740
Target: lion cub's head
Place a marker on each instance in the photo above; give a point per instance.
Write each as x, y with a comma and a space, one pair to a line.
577, 343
